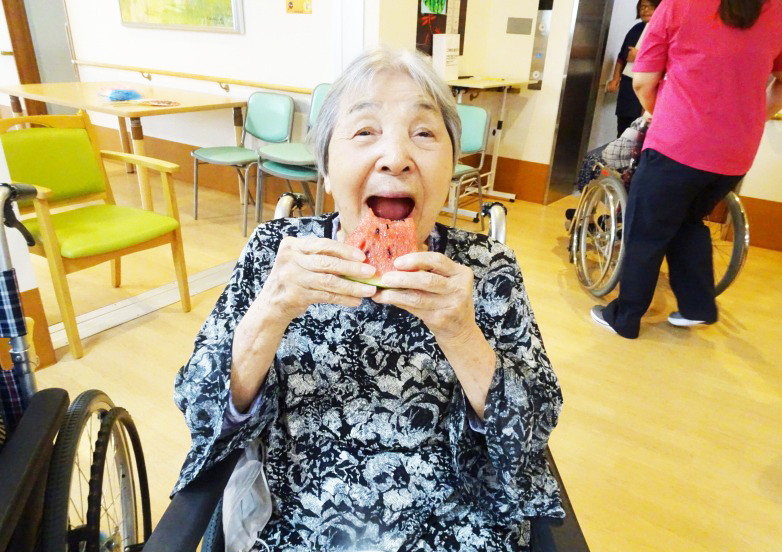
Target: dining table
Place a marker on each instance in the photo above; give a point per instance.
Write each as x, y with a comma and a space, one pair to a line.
153, 100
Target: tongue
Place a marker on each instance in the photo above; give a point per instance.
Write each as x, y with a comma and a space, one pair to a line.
393, 208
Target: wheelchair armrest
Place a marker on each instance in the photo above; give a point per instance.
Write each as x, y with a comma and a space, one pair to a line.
25, 456
185, 520
555, 534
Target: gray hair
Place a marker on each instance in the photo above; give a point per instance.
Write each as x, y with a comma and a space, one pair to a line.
360, 73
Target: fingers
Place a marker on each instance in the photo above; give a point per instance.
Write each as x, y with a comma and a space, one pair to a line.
326, 264
325, 246
428, 261
419, 280
332, 286
414, 301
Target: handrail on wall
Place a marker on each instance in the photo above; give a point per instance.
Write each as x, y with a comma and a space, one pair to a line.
223, 82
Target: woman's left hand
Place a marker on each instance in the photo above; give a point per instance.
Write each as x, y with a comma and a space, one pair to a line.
435, 289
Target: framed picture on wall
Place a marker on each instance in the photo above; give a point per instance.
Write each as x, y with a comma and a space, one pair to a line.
202, 15
433, 18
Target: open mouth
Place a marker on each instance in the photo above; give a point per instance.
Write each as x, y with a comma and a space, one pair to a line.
393, 208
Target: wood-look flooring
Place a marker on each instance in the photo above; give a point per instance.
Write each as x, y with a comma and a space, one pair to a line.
670, 442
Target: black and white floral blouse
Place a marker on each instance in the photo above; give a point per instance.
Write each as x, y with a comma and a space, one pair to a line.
365, 426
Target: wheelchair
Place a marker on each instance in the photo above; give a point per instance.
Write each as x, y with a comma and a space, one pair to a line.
596, 249
195, 513
73, 476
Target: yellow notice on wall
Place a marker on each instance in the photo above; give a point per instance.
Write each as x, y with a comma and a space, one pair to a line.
298, 6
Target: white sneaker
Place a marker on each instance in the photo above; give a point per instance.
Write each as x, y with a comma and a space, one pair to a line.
676, 319
596, 313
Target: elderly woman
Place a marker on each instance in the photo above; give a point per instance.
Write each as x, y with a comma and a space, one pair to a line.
408, 417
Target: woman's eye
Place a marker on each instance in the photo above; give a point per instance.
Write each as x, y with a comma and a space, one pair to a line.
364, 132
425, 133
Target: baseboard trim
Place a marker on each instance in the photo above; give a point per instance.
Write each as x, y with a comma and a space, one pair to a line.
209, 176
33, 308
525, 179
764, 217
145, 303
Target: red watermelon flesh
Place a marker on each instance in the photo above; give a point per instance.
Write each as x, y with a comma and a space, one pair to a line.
382, 241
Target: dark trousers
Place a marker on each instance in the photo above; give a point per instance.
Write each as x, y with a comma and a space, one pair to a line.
623, 123
664, 218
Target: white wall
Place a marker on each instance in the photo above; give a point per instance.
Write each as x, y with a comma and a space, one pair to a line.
304, 50
764, 180
50, 41
531, 115
276, 47
390, 22
8, 74
604, 123
20, 255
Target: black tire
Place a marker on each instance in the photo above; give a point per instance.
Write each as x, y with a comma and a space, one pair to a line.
214, 540
59, 533
114, 502
730, 242
596, 243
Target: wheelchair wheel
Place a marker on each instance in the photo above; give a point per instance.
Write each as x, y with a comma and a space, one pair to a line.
64, 523
596, 240
118, 488
730, 240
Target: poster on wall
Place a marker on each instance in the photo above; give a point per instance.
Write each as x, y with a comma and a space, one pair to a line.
437, 7
433, 19
298, 6
191, 15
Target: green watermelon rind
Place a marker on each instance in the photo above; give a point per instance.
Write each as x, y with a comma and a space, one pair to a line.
373, 281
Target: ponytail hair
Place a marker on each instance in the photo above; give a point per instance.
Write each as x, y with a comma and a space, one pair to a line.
740, 14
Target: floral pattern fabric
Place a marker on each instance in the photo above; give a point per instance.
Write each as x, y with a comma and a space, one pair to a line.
364, 424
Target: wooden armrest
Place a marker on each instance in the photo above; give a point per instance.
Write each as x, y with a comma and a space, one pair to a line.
42, 192
141, 160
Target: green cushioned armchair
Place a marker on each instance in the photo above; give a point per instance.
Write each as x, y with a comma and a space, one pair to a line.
58, 154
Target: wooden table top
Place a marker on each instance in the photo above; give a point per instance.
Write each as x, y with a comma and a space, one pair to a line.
486, 83
84, 95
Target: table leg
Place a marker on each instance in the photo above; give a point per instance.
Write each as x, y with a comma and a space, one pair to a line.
143, 174
16, 107
238, 125
496, 154
125, 141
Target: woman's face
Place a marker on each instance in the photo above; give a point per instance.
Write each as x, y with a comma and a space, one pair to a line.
391, 152
647, 10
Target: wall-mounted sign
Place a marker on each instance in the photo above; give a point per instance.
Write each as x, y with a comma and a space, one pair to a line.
298, 6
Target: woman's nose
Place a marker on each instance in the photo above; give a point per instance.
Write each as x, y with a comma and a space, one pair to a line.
395, 157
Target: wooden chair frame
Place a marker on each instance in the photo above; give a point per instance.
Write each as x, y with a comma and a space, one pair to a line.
60, 266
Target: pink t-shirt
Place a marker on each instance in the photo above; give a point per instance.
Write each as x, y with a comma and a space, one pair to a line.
711, 108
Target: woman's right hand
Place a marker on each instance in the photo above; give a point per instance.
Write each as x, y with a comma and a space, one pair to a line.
305, 271
310, 270
613, 85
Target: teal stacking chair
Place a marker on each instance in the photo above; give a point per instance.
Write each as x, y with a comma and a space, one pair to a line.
269, 118
466, 179
295, 161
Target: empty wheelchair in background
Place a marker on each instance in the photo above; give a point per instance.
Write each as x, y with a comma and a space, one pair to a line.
195, 513
596, 248
86, 490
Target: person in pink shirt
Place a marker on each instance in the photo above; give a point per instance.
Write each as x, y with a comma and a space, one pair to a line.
703, 71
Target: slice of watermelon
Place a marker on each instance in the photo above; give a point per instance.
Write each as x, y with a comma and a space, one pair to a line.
382, 241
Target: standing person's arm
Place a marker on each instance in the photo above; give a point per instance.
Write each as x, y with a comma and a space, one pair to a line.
645, 86
621, 61
774, 95
651, 61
